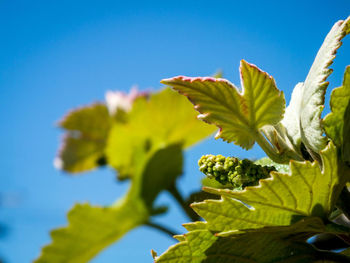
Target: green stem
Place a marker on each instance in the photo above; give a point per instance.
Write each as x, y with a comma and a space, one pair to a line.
161, 228
269, 150
178, 197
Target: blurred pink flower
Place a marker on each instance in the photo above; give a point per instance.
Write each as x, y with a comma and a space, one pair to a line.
120, 100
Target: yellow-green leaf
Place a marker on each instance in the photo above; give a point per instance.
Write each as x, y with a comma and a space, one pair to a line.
83, 145
334, 122
238, 115
163, 119
91, 229
280, 200
270, 244
80, 154
91, 121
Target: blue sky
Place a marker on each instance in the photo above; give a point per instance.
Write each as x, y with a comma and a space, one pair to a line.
56, 55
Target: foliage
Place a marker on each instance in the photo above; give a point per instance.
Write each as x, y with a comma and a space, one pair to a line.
262, 211
272, 221
143, 146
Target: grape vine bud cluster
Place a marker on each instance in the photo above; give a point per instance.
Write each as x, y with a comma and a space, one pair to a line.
232, 171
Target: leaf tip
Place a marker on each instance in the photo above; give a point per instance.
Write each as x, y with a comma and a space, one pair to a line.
154, 254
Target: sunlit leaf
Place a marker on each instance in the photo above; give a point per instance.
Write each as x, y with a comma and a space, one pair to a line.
282, 168
165, 118
238, 115
336, 123
304, 111
279, 200
272, 244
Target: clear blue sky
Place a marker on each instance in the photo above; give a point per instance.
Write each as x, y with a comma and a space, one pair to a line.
56, 55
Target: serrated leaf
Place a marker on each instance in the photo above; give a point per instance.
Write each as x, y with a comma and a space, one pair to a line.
282, 168
272, 244
84, 142
154, 123
238, 115
335, 123
279, 200
308, 99
191, 250
90, 230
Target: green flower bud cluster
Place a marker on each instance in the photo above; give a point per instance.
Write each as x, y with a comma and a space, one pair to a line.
232, 171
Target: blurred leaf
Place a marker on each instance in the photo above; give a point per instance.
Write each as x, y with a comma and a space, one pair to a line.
85, 140
218, 74
78, 155
166, 118
91, 121
91, 229
238, 115
160, 173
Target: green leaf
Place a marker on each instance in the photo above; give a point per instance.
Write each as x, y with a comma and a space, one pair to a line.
279, 200
192, 249
160, 172
307, 101
273, 244
90, 230
334, 122
91, 121
154, 123
85, 140
282, 168
238, 115
346, 136
79, 154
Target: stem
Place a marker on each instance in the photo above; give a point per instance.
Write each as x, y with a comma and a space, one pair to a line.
161, 228
178, 197
269, 150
